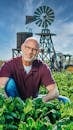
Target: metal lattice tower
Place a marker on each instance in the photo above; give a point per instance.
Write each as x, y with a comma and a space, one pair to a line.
46, 44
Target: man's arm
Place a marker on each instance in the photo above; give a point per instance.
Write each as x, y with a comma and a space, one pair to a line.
3, 81
52, 93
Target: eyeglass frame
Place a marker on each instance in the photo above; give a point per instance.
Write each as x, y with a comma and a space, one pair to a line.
33, 49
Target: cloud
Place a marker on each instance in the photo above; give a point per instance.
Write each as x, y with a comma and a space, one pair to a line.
28, 6
64, 40
13, 21
67, 28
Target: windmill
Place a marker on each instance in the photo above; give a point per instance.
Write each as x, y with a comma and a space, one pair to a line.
43, 17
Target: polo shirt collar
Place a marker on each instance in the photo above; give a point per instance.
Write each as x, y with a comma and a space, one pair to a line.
35, 65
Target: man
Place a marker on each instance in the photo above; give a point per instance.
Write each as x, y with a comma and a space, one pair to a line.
22, 76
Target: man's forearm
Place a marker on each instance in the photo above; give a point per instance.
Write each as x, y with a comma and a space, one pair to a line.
51, 95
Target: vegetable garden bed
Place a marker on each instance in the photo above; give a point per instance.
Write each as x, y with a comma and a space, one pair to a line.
33, 114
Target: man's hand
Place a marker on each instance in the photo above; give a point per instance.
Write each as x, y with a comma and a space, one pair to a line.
52, 93
3, 81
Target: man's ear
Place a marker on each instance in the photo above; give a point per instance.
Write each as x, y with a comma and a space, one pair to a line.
39, 51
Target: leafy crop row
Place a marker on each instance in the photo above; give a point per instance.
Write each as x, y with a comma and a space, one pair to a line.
16, 114
34, 114
64, 82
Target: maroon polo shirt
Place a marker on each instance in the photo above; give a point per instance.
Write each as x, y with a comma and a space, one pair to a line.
27, 84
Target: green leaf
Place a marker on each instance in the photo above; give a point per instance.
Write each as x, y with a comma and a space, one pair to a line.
23, 126
1, 127
31, 123
28, 106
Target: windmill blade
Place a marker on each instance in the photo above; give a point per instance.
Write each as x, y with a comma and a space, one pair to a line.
41, 9
44, 8
50, 12
51, 20
39, 22
51, 15
43, 24
46, 23
37, 12
37, 17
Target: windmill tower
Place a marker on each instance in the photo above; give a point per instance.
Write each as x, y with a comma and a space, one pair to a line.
43, 17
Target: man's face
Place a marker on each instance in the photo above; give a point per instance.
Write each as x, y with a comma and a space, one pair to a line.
30, 50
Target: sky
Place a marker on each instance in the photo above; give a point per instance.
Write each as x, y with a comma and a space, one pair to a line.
13, 16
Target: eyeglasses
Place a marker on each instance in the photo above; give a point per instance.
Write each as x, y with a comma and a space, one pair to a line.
34, 50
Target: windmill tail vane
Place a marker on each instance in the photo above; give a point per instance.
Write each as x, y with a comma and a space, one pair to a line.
29, 19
